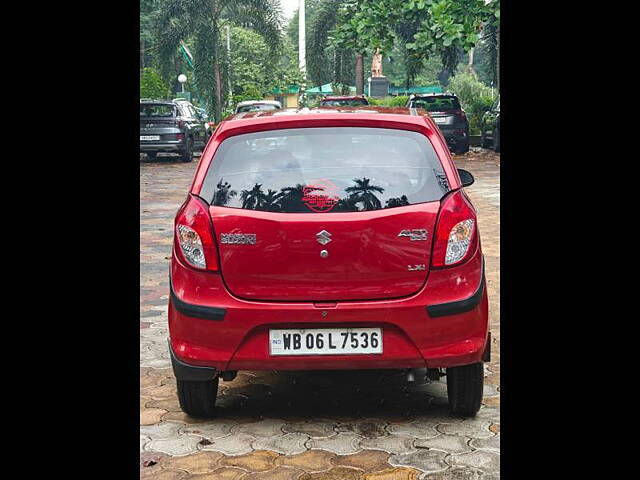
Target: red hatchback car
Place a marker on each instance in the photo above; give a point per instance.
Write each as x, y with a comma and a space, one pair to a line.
328, 239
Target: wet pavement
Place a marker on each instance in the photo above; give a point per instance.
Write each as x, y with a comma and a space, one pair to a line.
365, 425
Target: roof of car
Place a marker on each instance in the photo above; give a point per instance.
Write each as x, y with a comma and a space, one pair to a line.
258, 102
148, 100
344, 97
440, 94
363, 112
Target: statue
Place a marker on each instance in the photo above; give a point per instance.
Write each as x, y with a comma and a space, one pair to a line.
376, 64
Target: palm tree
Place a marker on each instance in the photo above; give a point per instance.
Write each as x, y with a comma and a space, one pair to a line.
362, 191
223, 193
291, 199
253, 199
203, 20
271, 200
321, 54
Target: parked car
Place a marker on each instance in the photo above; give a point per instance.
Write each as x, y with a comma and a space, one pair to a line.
490, 127
343, 101
446, 111
327, 240
170, 126
208, 126
256, 105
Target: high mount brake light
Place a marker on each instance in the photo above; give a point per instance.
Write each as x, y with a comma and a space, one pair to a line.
194, 240
456, 234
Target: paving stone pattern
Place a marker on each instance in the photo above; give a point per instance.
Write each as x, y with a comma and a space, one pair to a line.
356, 425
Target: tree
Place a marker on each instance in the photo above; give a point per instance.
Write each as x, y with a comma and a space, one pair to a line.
203, 20
147, 8
362, 191
253, 199
326, 63
223, 193
152, 86
491, 44
424, 28
361, 32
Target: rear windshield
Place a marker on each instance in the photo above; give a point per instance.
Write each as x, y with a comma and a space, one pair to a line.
343, 103
337, 169
436, 104
255, 108
157, 110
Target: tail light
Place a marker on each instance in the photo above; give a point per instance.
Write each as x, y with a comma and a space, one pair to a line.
456, 235
460, 114
194, 240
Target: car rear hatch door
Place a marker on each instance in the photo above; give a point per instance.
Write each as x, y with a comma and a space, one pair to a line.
325, 214
326, 256
443, 119
157, 118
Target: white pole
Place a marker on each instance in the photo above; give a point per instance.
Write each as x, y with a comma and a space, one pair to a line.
229, 72
302, 59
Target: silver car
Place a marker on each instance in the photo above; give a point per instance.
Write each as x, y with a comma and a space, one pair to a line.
256, 105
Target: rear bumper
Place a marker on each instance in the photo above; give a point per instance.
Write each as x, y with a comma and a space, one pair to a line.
445, 324
162, 147
454, 139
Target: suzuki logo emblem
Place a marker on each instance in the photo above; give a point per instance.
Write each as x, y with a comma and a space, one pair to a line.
323, 237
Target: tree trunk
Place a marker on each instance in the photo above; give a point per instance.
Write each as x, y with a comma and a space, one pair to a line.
359, 75
141, 54
472, 70
498, 61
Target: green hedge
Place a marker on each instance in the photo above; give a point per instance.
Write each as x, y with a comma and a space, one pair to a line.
399, 101
474, 96
152, 86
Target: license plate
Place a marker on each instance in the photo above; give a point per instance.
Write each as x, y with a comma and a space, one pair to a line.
326, 341
440, 119
149, 137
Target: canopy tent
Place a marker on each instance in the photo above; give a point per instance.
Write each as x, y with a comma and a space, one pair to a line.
416, 90
327, 89
289, 90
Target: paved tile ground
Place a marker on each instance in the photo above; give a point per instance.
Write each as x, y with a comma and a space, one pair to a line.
366, 425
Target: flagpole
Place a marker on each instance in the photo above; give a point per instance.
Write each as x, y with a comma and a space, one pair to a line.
229, 70
302, 60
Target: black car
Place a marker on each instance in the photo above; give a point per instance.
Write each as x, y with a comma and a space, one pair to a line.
490, 127
172, 127
447, 113
343, 101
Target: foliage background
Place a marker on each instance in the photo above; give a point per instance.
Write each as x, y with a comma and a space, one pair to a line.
424, 42
152, 86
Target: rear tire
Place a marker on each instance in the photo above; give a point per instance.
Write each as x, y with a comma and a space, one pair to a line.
187, 155
464, 148
152, 156
198, 399
484, 143
464, 389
